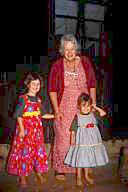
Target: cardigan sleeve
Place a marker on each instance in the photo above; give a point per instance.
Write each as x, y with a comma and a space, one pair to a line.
53, 78
91, 78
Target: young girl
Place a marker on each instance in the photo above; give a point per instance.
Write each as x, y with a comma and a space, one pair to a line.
123, 164
86, 150
27, 151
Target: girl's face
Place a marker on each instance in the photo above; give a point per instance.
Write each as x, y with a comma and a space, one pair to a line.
34, 87
85, 107
69, 50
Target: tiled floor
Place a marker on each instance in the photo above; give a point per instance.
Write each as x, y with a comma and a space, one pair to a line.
105, 181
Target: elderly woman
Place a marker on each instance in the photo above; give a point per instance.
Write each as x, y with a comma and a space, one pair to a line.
69, 76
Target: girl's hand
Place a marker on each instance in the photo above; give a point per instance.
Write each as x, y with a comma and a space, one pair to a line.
102, 113
21, 134
93, 105
48, 116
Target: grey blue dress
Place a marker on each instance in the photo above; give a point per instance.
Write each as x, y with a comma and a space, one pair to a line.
89, 150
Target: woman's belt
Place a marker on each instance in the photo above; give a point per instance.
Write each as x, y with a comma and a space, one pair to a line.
30, 114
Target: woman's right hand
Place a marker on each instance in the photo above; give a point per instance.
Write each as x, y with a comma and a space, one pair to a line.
21, 134
59, 116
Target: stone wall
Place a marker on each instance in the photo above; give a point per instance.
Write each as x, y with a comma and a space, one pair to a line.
112, 146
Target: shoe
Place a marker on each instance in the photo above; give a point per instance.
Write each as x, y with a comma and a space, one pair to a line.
79, 182
22, 184
89, 181
41, 179
60, 177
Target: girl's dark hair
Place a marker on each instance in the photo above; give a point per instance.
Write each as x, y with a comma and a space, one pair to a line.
83, 97
31, 77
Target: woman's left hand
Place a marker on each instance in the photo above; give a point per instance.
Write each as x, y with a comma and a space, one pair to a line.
93, 107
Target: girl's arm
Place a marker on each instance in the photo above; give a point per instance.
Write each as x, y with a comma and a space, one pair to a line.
21, 126
48, 116
73, 129
101, 111
73, 136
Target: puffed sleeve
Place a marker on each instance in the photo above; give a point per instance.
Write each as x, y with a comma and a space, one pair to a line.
74, 124
19, 107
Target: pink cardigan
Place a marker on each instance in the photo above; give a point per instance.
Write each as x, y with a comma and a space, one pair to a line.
56, 76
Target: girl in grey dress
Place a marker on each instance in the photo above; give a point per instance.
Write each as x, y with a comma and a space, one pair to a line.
86, 150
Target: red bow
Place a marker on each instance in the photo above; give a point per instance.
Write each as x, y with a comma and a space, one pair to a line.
90, 125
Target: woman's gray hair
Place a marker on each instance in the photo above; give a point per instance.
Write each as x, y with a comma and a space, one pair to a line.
71, 38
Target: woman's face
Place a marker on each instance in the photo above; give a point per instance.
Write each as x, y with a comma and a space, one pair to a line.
69, 50
34, 87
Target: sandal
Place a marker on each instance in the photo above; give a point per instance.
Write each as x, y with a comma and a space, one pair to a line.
79, 182
90, 181
40, 179
60, 176
21, 184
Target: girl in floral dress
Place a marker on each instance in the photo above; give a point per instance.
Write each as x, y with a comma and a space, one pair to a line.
28, 151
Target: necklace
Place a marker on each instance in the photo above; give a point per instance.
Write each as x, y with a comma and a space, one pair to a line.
71, 69
73, 75
71, 66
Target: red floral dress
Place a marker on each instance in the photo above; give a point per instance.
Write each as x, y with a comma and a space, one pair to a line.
28, 152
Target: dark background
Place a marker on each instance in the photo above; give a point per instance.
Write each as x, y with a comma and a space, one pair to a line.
30, 37
32, 30
120, 72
